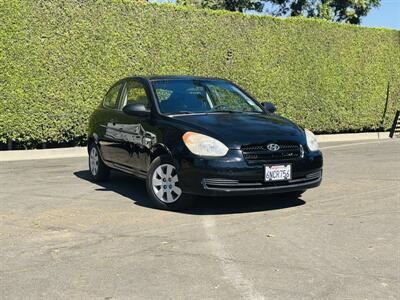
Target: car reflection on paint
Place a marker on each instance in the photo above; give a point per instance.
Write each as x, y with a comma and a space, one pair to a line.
131, 133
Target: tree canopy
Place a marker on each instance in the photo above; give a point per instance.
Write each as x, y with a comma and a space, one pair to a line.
349, 11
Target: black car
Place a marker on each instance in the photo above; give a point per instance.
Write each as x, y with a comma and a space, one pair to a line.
189, 136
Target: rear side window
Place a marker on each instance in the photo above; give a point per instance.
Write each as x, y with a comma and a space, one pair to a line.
111, 98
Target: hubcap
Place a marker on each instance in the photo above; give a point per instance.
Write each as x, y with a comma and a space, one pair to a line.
94, 161
164, 182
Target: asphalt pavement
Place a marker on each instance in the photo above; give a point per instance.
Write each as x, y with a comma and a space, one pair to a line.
64, 237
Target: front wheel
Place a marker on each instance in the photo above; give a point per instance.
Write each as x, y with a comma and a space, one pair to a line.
163, 186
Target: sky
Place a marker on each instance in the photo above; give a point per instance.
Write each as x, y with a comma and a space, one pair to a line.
387, 15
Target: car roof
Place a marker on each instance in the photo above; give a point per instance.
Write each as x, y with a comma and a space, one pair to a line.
178, 77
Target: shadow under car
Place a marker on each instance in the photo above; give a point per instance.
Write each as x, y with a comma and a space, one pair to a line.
135, 189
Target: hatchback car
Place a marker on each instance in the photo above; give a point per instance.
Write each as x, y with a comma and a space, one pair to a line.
189, 136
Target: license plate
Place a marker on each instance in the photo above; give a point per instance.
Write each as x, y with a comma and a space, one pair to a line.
278, 172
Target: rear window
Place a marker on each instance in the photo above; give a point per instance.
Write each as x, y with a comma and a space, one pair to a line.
111, 98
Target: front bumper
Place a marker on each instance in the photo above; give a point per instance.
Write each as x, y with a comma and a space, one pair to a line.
231, 175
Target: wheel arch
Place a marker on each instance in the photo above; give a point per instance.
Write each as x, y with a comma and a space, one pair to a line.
158, 150
92, 139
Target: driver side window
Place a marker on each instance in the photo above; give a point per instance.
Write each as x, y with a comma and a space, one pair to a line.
135, 93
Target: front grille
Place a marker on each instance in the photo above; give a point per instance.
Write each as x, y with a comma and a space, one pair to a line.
288, 151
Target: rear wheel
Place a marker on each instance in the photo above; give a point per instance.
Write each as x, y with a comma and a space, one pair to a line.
163, 185
98, 170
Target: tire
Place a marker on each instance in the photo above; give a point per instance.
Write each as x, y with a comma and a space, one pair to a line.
162, 186
98, 170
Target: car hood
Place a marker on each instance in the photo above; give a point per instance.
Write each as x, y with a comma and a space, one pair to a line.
236, 129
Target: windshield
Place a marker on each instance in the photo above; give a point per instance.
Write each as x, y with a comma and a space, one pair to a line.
178, 96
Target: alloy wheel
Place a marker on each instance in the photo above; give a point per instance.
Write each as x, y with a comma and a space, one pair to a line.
94, 161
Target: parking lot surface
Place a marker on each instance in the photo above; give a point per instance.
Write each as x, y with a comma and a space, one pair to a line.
64, 237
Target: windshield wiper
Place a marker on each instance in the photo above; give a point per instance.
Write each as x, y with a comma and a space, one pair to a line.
184, 112
227, 111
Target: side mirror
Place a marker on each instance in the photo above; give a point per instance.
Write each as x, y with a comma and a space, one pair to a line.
136, 109
269, 107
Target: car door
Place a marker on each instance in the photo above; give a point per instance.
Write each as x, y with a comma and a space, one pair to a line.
138, 131
110, 138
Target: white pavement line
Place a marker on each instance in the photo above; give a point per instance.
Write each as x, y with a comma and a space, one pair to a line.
357, 144
230, 269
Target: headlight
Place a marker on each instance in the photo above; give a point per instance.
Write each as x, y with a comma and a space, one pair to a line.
203, 145
311, 140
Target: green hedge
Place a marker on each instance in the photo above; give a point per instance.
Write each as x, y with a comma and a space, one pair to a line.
57, 58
